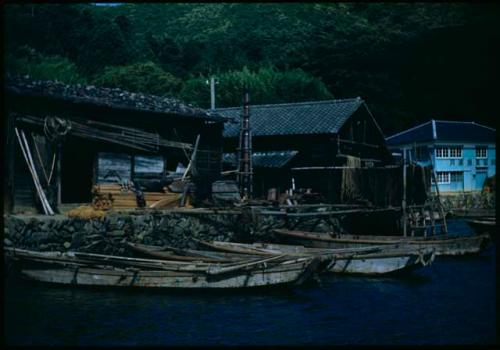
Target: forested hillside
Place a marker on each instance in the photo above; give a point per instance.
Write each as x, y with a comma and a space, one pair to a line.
409, 61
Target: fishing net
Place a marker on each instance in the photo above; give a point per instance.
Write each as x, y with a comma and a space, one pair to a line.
86, 212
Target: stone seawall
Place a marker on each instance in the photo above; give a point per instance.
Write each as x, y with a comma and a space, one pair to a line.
108, 235
468, 200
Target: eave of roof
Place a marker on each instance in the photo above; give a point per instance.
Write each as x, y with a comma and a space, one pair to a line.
444, 130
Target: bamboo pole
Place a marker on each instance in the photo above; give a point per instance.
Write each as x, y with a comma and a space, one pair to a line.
32, 171
193, 158
21, 137
403, 203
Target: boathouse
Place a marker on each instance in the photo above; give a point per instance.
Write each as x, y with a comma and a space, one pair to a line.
306, 139
463, 154
78, 136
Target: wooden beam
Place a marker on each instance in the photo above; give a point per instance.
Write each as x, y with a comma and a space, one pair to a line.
359, 143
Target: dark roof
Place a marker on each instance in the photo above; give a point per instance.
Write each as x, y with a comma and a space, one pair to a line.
103, 96
442, 130
272, 159
316, 117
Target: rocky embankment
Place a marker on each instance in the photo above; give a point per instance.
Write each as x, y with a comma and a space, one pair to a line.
109, 234
467, 201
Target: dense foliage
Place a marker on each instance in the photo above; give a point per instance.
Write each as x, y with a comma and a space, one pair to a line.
409, 61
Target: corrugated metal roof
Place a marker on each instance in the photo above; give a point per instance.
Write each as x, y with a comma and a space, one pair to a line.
103, 96
272, 159
315, 117
442, 130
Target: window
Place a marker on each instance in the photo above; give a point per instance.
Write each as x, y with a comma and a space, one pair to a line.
443, 177
455, 152
457, 176
461, 162
448, 152
480, 152
469, 162
442, 152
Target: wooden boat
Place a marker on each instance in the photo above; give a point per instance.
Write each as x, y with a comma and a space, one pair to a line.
368, 260
442, 244
481, 225
74, 268
485, 225
170, 253
266, 249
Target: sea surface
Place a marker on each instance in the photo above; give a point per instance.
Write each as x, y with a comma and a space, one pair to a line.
451, 302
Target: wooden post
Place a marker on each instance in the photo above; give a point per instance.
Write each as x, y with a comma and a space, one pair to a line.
58, 175
403, 203
9, 163
132, 167
245, 174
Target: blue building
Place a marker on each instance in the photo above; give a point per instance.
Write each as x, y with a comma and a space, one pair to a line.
462, 153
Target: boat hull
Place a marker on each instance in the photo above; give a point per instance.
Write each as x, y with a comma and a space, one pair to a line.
164, 279
379, 264
113, 271
380, 260
441, 245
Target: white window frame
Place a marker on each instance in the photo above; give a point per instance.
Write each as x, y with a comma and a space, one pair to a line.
443, 174
479, 152
458, 151
445, 152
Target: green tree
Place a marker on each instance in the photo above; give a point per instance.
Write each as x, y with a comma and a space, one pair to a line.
27, 61
266, 85
140, 77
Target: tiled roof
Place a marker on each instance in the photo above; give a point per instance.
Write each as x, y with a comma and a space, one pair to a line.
272, 159
102, 96
316, 117
442, 130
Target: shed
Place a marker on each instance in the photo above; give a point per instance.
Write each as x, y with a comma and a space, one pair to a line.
319, 133
85, 132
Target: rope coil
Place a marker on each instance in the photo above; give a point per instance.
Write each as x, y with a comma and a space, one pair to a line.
56, 128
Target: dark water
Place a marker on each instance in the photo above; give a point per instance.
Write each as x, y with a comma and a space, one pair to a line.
451, 302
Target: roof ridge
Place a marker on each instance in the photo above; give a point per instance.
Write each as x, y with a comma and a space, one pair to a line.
339, 100
465, 122
408, 130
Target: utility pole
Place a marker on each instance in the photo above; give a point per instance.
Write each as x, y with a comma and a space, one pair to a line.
212, 83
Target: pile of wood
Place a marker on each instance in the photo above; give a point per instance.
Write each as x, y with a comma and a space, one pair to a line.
116, 197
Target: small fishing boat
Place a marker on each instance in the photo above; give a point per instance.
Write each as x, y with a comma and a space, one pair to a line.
86, 269
442, 244
368, 260
171, 253
481, 225
485, 225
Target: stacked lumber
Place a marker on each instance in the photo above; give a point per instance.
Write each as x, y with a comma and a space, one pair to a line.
123, 198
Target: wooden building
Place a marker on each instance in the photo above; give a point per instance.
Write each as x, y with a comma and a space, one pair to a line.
307, 136
82, 135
